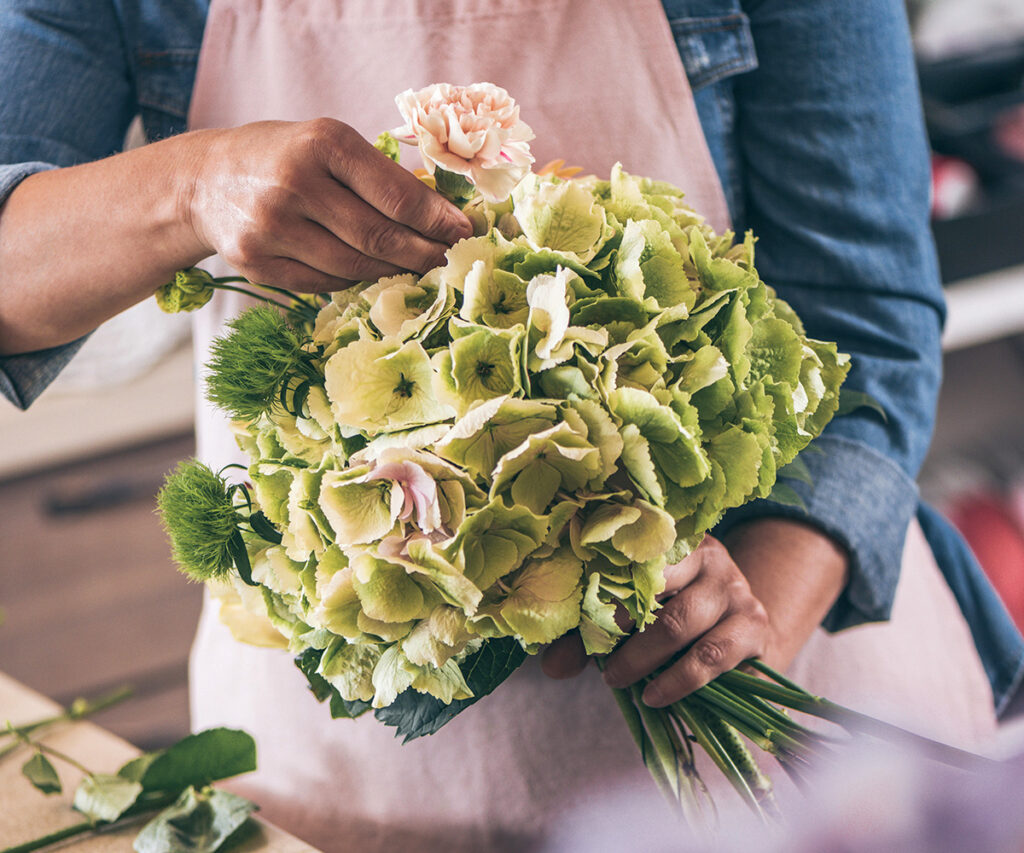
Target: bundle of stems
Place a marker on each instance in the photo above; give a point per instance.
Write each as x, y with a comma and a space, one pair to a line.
739, 708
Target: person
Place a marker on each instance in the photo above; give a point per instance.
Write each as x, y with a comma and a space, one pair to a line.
811, 122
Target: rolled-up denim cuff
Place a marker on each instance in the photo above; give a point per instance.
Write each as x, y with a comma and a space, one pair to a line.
865, 502
24, 377
12, 174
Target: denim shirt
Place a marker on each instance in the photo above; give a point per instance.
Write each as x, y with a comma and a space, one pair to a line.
812, 115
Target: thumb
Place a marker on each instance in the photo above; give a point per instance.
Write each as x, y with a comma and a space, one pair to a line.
565, 657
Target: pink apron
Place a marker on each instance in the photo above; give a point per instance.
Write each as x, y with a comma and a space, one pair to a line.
598, 82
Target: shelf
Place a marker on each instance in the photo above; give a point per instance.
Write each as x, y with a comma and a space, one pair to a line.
984, 308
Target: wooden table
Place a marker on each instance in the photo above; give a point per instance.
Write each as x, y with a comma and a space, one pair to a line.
26, 814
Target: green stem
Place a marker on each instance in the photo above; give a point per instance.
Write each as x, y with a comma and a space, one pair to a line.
133, 815
759, 784
853, 721
694, 720
78, 710
52, 838
662, 751
643, 742
754, 718
56, 753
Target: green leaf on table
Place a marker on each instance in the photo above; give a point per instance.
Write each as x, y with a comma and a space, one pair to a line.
105, 797
200, 759
199, 822
415, 714
41, 773
135, 769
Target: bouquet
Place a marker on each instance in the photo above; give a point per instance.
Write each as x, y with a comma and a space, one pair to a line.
448, 471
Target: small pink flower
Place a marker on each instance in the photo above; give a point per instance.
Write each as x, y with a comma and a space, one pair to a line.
415, 497
474, 131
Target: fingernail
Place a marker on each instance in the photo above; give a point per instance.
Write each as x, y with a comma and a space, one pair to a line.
653, 697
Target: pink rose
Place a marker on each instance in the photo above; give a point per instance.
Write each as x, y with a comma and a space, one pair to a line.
474, 131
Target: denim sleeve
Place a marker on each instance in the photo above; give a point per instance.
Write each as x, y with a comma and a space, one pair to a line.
834, 164
66, 97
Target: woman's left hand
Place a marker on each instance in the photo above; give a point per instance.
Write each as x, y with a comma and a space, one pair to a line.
708, 609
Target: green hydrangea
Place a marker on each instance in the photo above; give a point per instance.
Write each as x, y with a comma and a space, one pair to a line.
508, 447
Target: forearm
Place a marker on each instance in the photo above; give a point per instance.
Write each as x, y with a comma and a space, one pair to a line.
79, 245
796, 572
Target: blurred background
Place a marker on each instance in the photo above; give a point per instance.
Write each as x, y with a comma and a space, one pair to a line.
88, 595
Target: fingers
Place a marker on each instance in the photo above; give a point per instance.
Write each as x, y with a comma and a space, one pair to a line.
316, 247
722, 648
386, 186
565, 657
318, 194
715, 617
682, 620
295, 275
355, 223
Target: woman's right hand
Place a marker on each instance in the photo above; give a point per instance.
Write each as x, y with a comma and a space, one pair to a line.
312, 206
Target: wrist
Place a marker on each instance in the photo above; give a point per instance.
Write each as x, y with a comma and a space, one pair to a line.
796, 571
197, 151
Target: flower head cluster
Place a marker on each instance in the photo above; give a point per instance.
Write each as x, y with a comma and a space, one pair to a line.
512, 445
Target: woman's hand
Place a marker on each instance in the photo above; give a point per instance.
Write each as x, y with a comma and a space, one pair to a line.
707, 609
763, 596
312, 206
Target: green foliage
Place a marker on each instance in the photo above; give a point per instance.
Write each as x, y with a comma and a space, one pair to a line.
197, 512
42, 774
250, 366
198, 760
415, 714
198, 822
106, 797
